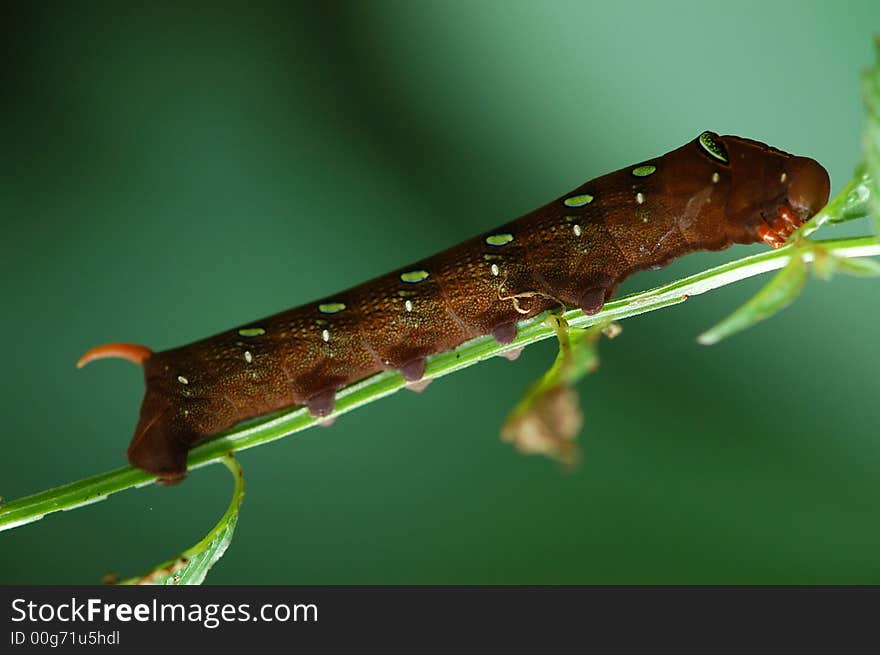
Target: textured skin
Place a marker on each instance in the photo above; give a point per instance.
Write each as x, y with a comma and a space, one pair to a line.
558, 255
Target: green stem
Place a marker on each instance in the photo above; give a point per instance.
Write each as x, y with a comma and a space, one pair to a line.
850, 203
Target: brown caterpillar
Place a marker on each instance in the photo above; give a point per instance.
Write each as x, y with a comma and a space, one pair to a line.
574, 251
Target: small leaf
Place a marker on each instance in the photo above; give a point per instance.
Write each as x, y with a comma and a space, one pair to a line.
871, 139
775, 296
547, 425
859, 267
548, 418
825, 265
191, 567
582, 357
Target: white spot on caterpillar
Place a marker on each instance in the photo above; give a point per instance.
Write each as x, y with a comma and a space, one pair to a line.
495, 270
577, 230
640, 197
408, 304
248, 357
182, 379
325, 335
716, 177
783, 177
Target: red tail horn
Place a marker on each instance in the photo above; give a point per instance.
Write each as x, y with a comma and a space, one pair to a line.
130, 351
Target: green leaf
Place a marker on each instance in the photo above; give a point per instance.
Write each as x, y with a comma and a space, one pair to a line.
775, 296
858, 267
871, 139
826, 263
191, 567
580, 356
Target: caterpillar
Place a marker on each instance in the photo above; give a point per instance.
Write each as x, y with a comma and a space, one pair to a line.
573, 252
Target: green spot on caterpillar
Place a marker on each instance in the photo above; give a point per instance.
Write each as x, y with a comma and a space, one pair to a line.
499, 239
251, 332
414, 276
331, 307
714, 147
644, 171
578, 201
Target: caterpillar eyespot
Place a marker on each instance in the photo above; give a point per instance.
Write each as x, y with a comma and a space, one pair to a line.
483, 286
714, 147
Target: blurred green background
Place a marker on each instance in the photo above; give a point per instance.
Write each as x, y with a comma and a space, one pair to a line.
170, 172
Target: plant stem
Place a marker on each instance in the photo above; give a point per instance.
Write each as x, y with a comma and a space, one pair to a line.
848, 204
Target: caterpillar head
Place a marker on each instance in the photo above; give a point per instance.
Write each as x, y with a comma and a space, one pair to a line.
771, 193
